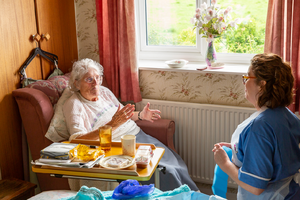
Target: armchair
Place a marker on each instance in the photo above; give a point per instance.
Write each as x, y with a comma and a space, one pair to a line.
36, 103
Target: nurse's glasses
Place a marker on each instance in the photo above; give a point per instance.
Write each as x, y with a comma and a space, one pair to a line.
245, 78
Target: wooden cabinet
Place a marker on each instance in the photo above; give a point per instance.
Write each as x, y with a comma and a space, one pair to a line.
60, 25
19, 20
16, 189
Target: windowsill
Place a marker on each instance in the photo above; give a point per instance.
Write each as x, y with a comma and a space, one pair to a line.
228, 68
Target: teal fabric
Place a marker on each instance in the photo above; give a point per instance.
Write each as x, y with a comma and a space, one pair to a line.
92, 193
183, 192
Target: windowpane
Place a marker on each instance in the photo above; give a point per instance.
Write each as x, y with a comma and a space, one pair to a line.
249, 37
168, 22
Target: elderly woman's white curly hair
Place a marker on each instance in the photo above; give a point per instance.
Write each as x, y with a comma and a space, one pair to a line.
80, 68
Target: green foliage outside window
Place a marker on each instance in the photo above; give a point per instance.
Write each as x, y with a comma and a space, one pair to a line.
247, 38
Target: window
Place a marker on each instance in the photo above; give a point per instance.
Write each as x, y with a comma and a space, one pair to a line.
164, 30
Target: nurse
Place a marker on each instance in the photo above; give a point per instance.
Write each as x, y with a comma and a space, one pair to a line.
265, 147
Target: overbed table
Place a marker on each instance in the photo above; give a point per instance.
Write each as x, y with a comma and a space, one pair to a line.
99, 173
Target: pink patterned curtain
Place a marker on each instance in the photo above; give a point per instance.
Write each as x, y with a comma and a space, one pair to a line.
116, 34
282, 37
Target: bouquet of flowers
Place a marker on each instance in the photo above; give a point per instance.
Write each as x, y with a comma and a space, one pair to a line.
212, 21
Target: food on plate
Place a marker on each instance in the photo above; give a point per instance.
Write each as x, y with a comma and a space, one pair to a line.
84, 153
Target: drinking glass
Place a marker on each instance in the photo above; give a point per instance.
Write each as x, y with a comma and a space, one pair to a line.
105, 137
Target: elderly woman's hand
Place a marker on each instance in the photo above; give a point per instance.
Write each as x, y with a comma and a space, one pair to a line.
121, 116
149, 115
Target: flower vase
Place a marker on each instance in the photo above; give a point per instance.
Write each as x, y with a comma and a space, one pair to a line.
211, 55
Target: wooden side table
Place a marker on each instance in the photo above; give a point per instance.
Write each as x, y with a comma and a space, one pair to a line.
16, 189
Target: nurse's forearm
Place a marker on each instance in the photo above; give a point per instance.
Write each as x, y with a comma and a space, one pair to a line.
232, 171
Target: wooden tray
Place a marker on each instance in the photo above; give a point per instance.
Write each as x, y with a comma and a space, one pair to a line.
115, 150
97, 169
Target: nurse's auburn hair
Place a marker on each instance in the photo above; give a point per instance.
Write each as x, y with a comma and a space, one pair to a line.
278, 90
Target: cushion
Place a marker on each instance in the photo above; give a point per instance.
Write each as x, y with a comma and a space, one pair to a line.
53, 87
57, 130
48, 88
60, 82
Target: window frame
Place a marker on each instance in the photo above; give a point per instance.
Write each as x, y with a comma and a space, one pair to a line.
192, 54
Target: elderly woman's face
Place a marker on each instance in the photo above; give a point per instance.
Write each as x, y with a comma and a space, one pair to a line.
90, 84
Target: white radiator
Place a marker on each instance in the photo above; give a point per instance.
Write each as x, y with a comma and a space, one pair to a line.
198, 128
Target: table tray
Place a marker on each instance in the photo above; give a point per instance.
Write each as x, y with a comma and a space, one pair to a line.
115, 150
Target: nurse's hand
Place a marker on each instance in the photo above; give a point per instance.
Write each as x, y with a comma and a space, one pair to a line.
226, 144
220, 155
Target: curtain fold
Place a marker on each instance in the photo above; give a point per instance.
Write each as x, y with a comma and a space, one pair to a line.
282, 37
117, 47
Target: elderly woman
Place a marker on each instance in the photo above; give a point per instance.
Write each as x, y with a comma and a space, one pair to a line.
93, 105
265, 152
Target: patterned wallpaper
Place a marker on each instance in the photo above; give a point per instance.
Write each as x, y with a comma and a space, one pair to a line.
86, 25
200, 87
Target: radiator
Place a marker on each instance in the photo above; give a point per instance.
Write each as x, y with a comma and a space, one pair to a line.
198, 128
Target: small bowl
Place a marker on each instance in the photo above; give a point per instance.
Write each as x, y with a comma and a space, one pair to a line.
176, 63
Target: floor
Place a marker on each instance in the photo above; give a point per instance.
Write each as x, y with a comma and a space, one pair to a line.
206, 189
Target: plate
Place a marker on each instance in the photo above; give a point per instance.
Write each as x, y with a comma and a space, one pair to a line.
220, 67
216, 65
104, 161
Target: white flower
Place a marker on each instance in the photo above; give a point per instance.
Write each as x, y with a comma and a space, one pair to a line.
238, 21
199, 24
210, 37
226, 12
232, 24
212, 22
203, 6
223, 25
207, 17
210, 12
229, 8
193, 20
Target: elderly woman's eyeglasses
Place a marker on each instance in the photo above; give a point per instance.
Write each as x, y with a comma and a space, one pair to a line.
91, 79
245, 78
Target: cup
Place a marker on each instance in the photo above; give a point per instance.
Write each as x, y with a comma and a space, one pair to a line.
128, 145
105, 137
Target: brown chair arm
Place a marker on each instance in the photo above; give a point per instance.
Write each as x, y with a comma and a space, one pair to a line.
161, 129
36, 112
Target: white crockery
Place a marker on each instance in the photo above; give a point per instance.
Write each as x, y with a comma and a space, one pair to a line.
178, 63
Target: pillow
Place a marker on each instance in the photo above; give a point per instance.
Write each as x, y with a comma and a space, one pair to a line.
53, 87
57, 130
48, 88
60, 82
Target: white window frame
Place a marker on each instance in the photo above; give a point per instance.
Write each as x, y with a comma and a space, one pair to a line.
193, 54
